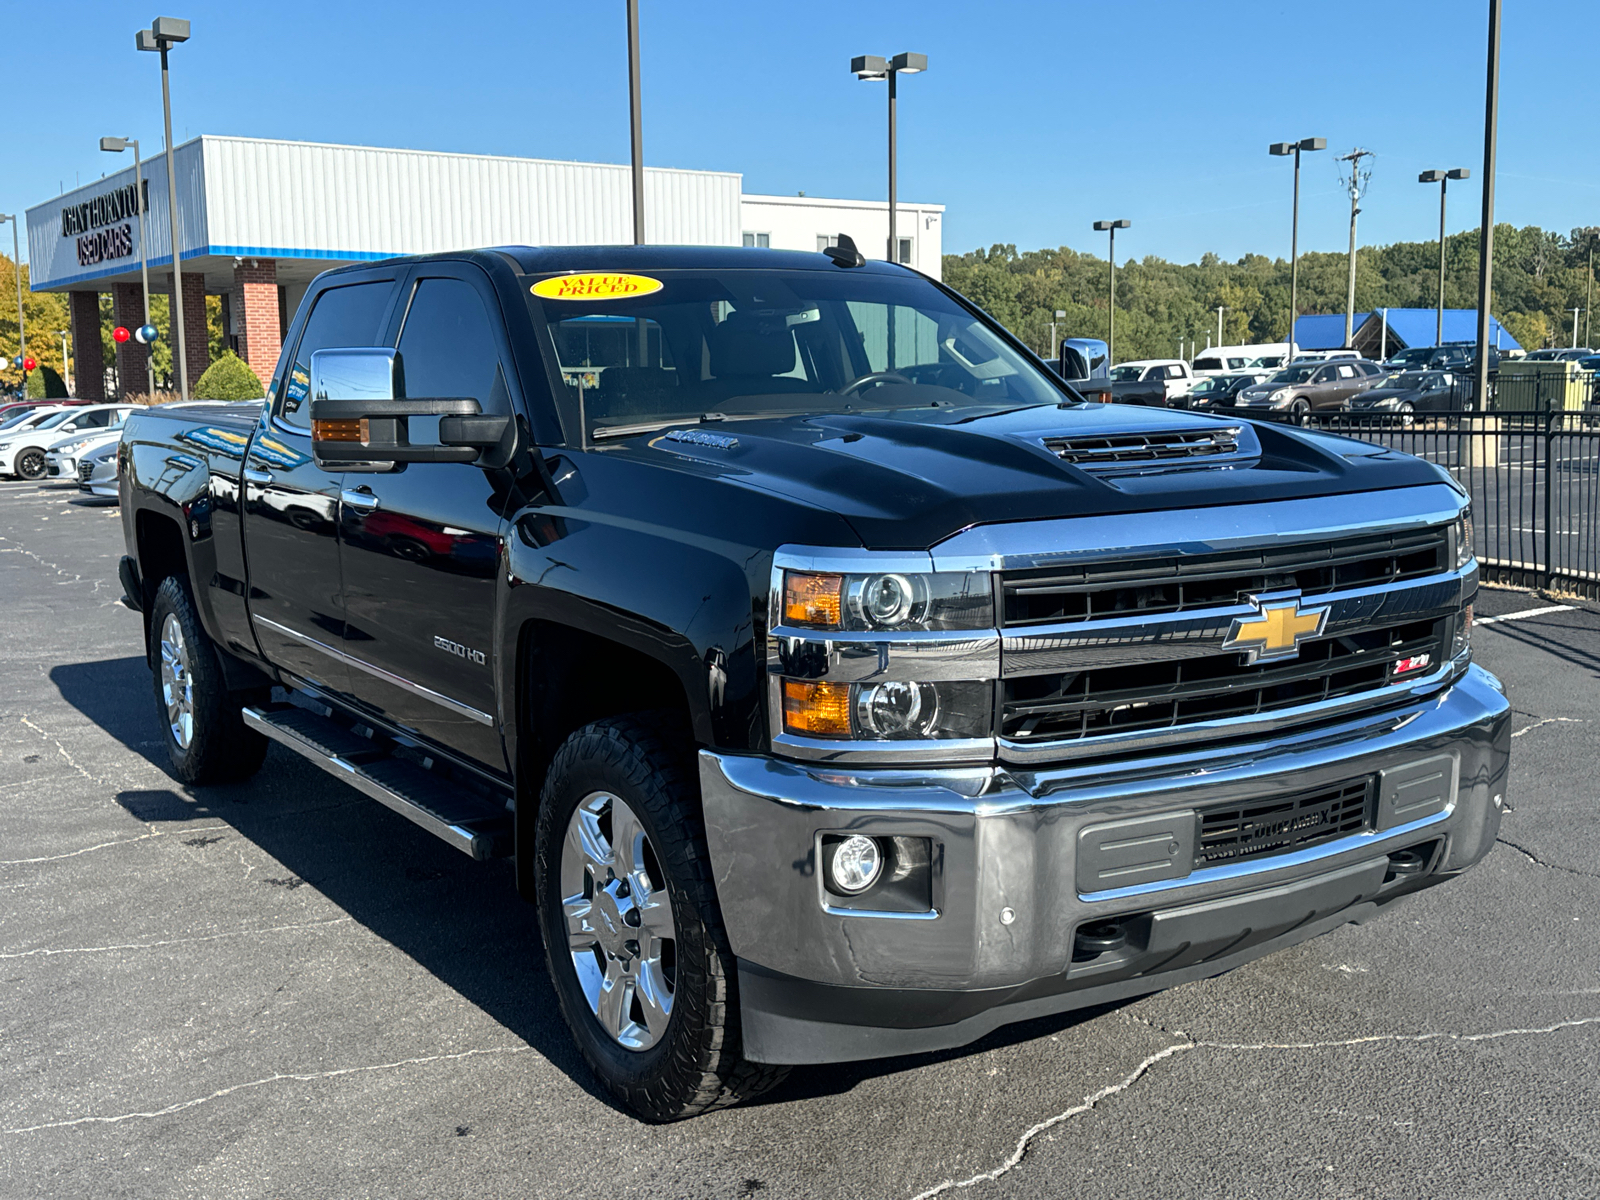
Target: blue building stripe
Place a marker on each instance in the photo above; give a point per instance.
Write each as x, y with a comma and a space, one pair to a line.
165, 260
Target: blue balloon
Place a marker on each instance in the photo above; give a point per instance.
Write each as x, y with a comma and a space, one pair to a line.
146, 334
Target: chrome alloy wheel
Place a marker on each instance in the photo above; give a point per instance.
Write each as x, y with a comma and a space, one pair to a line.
619, 921
177, 683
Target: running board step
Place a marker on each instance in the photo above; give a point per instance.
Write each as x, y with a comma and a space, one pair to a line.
470, 823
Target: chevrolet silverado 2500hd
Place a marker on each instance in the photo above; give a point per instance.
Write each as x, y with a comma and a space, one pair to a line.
842, 684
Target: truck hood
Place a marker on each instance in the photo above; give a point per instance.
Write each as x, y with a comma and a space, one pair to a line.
911, 478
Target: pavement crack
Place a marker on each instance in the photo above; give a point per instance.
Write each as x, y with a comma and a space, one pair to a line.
1548, 866
47, 951
277, 1077
143, 837
1127, 1081
1541, 722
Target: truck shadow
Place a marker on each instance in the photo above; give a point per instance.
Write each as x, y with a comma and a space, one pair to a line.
461, 921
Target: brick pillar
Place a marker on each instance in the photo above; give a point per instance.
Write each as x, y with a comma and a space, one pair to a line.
88, 357
196, 341
254, 305
127, 310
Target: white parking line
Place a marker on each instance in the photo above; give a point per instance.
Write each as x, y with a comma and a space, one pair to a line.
1524, 615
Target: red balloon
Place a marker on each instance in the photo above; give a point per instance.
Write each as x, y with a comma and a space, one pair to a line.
30, 364
120, 334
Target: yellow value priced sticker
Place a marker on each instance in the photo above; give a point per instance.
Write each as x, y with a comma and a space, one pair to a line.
596, 285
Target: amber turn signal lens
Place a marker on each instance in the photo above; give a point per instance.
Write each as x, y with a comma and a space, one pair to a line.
815, 600
338, 431
816, 708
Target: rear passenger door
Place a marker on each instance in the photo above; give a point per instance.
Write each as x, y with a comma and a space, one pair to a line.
422, 543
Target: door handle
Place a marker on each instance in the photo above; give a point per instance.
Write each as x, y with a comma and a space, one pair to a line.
251, 475
361, 498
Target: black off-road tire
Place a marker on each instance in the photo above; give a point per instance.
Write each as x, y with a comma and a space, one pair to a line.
697, 1065
221, 748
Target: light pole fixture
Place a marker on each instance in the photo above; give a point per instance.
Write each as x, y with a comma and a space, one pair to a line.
163, 34
1442, 178
1281, 149
22, 328
115, 145
1111, 228
872, 66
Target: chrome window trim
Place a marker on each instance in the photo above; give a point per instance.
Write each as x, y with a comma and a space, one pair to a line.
1016, 545
416, 689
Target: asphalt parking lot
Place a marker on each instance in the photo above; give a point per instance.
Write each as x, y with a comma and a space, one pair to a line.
282, 989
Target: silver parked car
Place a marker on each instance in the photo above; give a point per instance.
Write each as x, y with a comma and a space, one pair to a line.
97, 470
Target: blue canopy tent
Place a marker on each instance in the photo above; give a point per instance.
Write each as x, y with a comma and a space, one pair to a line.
1384, 331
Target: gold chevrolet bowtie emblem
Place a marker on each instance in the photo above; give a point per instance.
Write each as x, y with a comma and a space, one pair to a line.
1276, 630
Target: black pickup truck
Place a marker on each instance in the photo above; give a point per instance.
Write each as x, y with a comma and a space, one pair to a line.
842, 683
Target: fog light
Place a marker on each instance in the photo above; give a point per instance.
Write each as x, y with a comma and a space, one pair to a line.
857, 863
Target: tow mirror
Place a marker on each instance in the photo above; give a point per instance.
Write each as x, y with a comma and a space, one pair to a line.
1092, 389
360, 413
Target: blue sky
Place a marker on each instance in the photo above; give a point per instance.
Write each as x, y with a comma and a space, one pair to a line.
1033, 120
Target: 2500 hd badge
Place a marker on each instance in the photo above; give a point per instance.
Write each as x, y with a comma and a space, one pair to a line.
841, 683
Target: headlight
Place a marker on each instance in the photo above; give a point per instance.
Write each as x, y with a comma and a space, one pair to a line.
889, 711
945, 600
1279, 396
1461, 538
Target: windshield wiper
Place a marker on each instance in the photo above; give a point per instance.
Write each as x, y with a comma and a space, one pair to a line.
602, 432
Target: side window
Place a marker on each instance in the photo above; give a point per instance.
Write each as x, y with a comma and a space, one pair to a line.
343, 316
94, 420
1175, 372
1208, 364
1325, 375
447, 346
1347, 372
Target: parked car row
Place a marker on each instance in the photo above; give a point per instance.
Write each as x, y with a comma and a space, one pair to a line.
55, 440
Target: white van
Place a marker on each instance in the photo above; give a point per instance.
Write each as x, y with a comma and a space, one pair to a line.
1230, 360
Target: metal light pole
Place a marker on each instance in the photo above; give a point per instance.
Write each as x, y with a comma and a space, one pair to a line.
637, 127
1491, 116
22, 329
1054, 343
113, 145
1221, 308
1294, 148
66, 372
872, 66
1111, 227
1588, 299
1442, 178
163, 34
1575, 312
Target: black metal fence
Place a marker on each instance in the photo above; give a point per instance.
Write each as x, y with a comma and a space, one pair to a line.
1534, 479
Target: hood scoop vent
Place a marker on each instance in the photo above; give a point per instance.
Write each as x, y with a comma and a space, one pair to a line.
1139, 453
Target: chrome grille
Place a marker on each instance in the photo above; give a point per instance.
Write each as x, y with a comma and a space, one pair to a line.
1183, 584
1154, 696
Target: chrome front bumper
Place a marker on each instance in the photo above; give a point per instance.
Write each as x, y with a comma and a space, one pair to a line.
823, 984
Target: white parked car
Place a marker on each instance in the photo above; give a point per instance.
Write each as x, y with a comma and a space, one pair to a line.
23, 449
1306, 356
62, 457
1230, 360
97, 470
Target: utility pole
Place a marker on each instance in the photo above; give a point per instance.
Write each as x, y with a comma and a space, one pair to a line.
1221, 308
636, 122
1491, 117
1356, 185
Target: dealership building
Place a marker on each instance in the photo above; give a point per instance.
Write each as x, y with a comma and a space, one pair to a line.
259, 219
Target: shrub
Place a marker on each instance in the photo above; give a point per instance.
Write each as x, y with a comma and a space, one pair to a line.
46, 384
229, 378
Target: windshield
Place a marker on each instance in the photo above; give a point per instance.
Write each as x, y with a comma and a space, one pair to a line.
745, 343
1293, 375
1418, 354
12, 420
1216, 383
1416, 379
1268, 361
